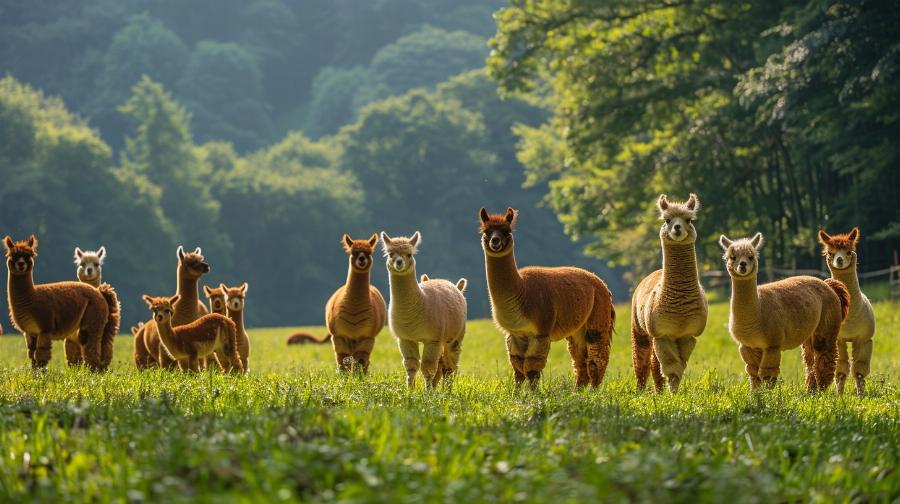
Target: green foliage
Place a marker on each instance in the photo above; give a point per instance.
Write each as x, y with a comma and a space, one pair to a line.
331, 103
295, 430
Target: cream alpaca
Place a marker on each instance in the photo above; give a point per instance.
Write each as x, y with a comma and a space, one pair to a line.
89, 270
235, 298
432, 313
212, 335
798, 311
859, 328
668, 309
355, 313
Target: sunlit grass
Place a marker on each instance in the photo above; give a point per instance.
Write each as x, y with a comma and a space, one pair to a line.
295, 430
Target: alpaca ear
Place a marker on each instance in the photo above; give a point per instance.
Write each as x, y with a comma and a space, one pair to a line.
511, 214
180, 253
148, 300
244, 287
223, 288
207, 290
416, 238
198, 251
386, 239
32, 242
174, 299
423, 278
483, 215
757, 241
78, 253
724, 242
8, 242
854, 235
693, 203
662, 203
101, 253
347, 240
373, 240
824, 238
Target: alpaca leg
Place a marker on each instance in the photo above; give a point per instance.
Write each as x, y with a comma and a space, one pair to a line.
450, 360
842, 370
431, 354
641, 351
536, 358
669, 361
862, 358
598, 345
516, 347
361, 353
91, 345
752, 358
809, 365
578, 352
342, 352
659, 381
142, 357
74, 356
31, 345
42, 351
193, 364
410, 352
685, 348
826, 356
770, 366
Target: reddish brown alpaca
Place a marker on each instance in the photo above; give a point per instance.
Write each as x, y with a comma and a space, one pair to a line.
212, 335
58, 311
355, 313
191, 266
235, 297
537, 305
301, 338
216, 297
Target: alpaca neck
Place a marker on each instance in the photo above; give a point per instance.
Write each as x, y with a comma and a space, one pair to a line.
503, 278
405, 291
93, 282
169, 339
238, 318
745, 302
186, 307
20, 290
680, 269
849, 278
357, 285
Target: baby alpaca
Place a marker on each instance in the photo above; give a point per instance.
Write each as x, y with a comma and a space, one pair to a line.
858, 329
57, 311
432, 313
216, 298
668, 309
212, 335
90, 271
798, 311
355, 313
235, 297
534, 306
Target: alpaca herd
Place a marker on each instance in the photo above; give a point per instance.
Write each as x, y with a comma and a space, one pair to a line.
531, 306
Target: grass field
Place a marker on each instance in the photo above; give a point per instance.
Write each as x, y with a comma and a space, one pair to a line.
295, 430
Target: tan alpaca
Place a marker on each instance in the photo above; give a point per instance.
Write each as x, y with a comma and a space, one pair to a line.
89, 270
432, 313
798, 311
668, 308
216, 297
58, 311
302, 338
191, 266
355, 313
210, 336
859, 328
534, 306
235, 298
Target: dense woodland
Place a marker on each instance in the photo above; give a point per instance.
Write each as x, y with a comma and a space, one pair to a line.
262, 130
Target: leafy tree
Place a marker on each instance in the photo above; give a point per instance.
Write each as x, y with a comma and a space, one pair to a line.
331, 103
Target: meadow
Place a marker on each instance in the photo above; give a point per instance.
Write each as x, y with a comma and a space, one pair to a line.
295, 430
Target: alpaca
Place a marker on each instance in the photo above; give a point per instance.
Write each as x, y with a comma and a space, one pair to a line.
534, 306
61, 310
432, 313
858, 329
301, 338
191, 266
235, 298
89, 270
212, 335
798, 311
668, 308
355, 313
216, 298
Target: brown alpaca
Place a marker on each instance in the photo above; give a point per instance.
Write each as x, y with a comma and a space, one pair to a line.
668, 308
537, 305
191, 266
355, 313
57, 311
301, 338
235, 298
859, 328
798, 311
90, 271
212, 335
216, 297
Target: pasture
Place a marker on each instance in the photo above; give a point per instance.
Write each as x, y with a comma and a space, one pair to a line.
294, 429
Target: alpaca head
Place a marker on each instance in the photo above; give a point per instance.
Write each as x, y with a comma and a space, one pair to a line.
235, 296
678, 219
497, 231
742, 255
192, 264
216, 298
400, 251
360, 251
89, 263
20, 255
840, 249
162, 307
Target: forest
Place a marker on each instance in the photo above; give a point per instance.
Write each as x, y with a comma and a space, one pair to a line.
263, 130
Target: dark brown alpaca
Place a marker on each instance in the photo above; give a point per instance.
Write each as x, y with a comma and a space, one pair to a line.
301, 338
191, 266
535, 306
58, 311
355, 313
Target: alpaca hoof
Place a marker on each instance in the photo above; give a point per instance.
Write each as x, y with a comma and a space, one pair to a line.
673, 381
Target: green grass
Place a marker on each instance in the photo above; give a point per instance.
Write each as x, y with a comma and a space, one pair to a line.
295, 430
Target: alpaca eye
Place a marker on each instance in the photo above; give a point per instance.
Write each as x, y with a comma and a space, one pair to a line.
668, 221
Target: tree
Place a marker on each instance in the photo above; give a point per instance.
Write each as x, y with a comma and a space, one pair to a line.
331, 102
